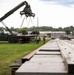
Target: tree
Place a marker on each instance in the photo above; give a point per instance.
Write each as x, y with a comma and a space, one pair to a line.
60, 29
23, 31
67, 32
12, 29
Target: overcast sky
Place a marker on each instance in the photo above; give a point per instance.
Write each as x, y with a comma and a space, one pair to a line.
55, 13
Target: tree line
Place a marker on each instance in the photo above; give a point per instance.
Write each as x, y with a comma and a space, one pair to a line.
24, 30
47, 28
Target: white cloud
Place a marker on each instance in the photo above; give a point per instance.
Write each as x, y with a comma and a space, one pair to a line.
62, 2
72, 6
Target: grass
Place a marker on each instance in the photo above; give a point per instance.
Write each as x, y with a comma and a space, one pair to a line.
13, 52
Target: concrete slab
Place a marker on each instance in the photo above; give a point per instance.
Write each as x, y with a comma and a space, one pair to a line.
46, 60
52, 45
47, 56
49, 53
68, 55
44, 63
31, 67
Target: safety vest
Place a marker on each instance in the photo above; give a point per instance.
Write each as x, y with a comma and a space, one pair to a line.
38, 37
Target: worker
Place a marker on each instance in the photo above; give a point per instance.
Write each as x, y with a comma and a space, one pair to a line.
37, 39
44, 39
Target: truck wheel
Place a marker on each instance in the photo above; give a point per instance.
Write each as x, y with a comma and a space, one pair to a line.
12, 39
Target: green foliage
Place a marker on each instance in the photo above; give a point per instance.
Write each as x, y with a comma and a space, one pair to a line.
10, 53
67, 32
71, 28
23, 31
42, 28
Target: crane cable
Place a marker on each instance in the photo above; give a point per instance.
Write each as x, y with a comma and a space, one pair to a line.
31, 21
22, 22
27, 22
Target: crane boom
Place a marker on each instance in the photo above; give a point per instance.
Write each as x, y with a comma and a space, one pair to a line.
12, 11
26, 9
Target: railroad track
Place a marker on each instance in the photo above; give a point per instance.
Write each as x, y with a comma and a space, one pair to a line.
55, 57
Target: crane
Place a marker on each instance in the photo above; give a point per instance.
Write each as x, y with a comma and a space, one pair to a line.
26, 11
